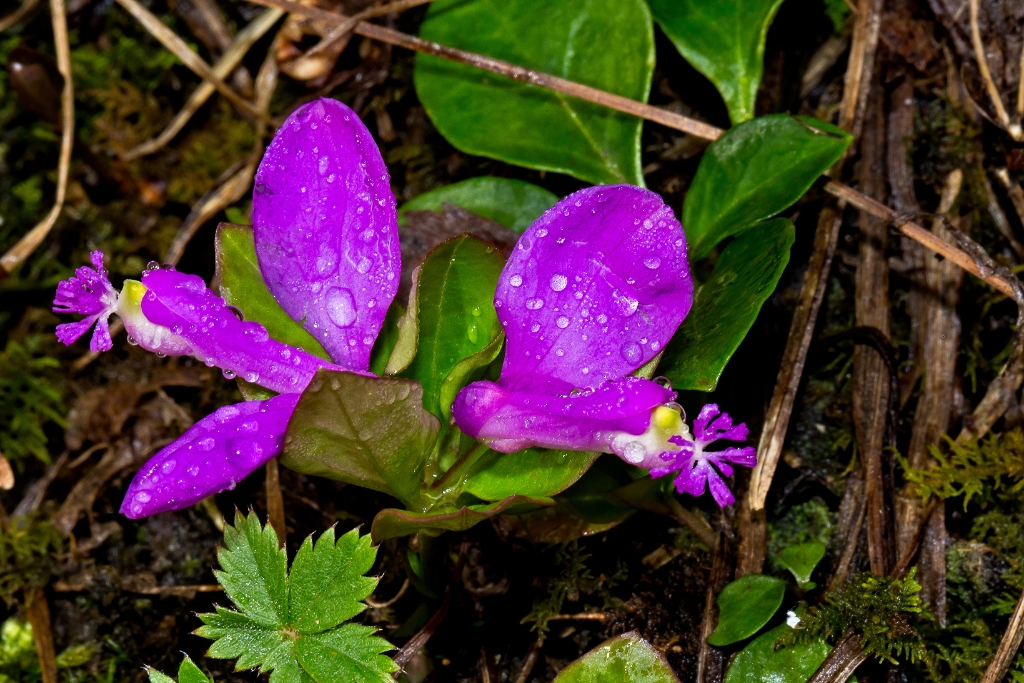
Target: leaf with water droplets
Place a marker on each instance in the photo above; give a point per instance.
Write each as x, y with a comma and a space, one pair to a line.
188, 672
727, 305
454, 298
529, 472
242, 286
285, 619
607, 44
762, 661
512, 203
368, 431
623, 659
755, 171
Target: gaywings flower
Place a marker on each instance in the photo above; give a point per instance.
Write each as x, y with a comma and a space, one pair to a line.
326, 235
593, 291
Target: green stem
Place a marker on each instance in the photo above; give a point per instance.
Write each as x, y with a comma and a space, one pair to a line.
458, 469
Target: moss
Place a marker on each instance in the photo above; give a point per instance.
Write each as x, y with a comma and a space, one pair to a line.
207, 153
29, 399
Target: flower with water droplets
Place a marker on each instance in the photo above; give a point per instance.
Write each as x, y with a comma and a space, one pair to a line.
333, 272
697, 466
586, 299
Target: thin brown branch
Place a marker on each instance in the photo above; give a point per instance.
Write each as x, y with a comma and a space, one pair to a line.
182, 51
18, 14
346, 26
710, 661
388, 603
245, 39
841, 662
421, 637
693, 521
1008, 646
38, 612
986, 74
27, 244
861, 65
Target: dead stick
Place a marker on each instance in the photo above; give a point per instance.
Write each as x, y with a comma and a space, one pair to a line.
38, 611
1008, 646
417, 642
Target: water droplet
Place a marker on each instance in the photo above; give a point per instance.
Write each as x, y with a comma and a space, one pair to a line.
624, 305
322, 166
286, 353
228, 374
562, 322
250, 426
631, 352
206, 444
655, 345
473, 334
168, 466
133, 341
558, 282
363, 266
652, 261
341, 307
257, 332
634, 452
543, 232
535, 327
559, 352
534, 304
143, 497
515, 280
602, 318
153, 265
476, 312
193, 470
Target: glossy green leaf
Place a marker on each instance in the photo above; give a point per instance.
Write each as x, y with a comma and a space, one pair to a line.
302, 639
724, 40
744, 606
624, 659
530, 472
392, 523
455, 300
387, 340
513, 203
801, 560
755, 171
760, 661
368, 431
607, 44
242, 286
726, 306
465, 371
188, 672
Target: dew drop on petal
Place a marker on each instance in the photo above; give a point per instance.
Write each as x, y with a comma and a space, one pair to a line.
363, 266
602, 318
341, 307
631, 352
322, 166
655, 345
634, 452
558, 282
515, 280
562, 322
652, 261
193, 470
206, 444
143, 497
625, 305
534, 304
168, 466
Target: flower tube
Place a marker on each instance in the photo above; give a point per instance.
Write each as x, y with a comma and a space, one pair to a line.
593, 291
326, 237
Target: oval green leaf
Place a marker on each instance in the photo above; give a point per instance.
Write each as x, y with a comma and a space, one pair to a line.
532, 472
802, 559
727, 305
753, 172
392, 523
760, 661
624, 659
455, 304
724, 40
513, 203
607, 44
242, 286
744, 606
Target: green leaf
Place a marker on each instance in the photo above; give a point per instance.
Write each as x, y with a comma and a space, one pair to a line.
387, 340
744, 606
726, 306
624, 659
157, 677
724, 40
455, 300
755, 171
606, 44
513, 203
760, 661
407, 333
465, 371
392, 523
190, 673
801, 560
242, 286
309, 641
530, 472
368, 431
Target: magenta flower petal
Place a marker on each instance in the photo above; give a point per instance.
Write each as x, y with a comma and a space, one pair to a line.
326, 229
712, 425
183, 305
592, 420
212, 456
594, 289
89, 293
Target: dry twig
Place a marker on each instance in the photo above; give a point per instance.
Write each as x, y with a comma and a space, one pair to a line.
38, 611
1013, 129
18, 14
27, 244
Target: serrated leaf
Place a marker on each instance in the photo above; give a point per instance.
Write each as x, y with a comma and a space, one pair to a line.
761, 661
157, 677
349, 654
624, 659
755, 171
455, 301
606, 44
188, 672
724, 40
726, 306
368, 431
242, 286
530, 472
802, 559
513, 203
744, 606
254, 571
325, 587
330, 569
393, 523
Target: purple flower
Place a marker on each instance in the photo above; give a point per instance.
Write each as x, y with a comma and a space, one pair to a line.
694, 463
593, 291
326, 236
